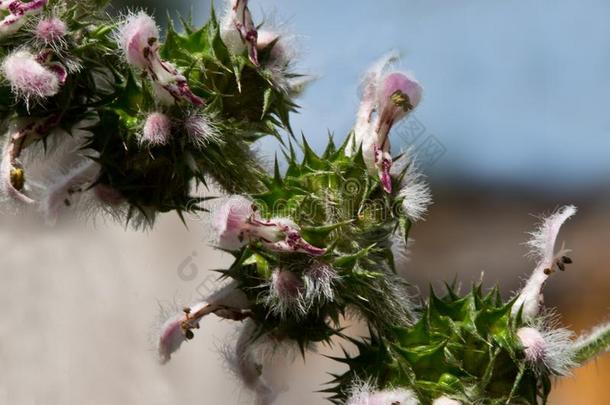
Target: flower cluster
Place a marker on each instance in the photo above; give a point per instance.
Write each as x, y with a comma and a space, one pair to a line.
387, 97
114, 116
156, 120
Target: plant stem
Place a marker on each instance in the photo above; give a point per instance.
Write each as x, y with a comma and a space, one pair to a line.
592, 344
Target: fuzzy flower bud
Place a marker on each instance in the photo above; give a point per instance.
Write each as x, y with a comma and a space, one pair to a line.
200, 130
28, 78
286, 294
237, 223
157, 129
533, 344
238, 31
287, 285
396, 396
391, 96
548, 348
138, 37
50, 30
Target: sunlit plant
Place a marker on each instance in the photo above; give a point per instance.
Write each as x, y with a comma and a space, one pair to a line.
107, 115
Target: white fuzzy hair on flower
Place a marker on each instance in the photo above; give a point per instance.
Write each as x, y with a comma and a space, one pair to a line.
366, 394
542, 248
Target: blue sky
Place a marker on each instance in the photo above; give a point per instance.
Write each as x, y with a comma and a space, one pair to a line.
514, 90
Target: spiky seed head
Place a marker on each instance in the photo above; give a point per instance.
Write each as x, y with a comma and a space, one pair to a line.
18, 14
415, 193
157, 129
542, 248
319, 280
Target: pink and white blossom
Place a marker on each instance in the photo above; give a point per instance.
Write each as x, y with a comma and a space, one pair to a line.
201, 130
247, 365
542, 245
29, 79
237, 223
548, 347
157, 129
238, 30
138, 38
387, 97
365, 395
286, 294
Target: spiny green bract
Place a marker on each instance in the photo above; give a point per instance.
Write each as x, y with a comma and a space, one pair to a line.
242, 101
463, 347
340, 207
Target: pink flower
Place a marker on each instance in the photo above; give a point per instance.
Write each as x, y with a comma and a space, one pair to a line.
287, 284
28, 78
542, 246
51, 30
533, 344
546, 347
138, 37
238, 30
237, 223
157, 129
391, 96
445, 401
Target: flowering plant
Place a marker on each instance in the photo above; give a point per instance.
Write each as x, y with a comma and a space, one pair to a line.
107, 115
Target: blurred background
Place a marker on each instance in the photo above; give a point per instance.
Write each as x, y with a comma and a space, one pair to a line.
514, 122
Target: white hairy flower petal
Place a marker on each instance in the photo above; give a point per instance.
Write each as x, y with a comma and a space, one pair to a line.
542, 246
